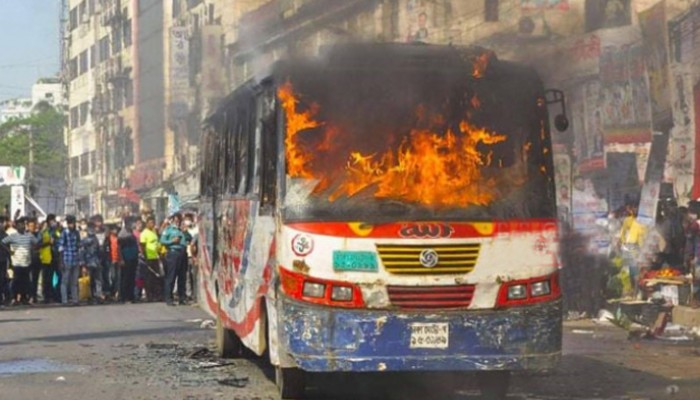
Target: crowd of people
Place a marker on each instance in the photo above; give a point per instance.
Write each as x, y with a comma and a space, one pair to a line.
43, 260
632, 251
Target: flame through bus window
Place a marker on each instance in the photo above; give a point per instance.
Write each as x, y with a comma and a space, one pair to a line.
420, 143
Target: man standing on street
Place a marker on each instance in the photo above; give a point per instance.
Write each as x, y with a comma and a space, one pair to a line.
4, 263
153, 280
175, 260
68, 247
48, 263
129, 253
22, 244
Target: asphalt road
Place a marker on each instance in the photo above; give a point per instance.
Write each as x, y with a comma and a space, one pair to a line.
150, 351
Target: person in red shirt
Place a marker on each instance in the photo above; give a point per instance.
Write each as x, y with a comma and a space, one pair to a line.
113, 265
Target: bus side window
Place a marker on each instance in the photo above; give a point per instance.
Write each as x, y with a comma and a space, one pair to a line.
268, 123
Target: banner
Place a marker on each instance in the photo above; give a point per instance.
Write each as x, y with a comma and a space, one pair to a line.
655, 38
12, 176
562, 181
648, 203
587, 126
696, 183
624, 93
179, 72
680, 164
17, 201
607, 14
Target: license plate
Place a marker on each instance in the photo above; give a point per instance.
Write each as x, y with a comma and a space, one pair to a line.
359, 261
430, 335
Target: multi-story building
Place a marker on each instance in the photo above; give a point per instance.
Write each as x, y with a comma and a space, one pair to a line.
49, 91
114, 77
15, 109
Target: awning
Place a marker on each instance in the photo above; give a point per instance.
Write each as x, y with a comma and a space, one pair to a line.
128, 194
155, 193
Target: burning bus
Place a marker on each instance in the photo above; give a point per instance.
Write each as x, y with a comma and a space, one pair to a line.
383, 207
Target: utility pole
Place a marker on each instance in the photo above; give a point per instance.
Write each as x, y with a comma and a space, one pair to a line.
30, 170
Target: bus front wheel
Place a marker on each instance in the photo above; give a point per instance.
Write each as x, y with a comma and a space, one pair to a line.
493, 384
291, 382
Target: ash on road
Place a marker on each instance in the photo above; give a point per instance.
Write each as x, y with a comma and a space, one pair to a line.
150, 351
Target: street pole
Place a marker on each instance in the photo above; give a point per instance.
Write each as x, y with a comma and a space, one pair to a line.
30, 170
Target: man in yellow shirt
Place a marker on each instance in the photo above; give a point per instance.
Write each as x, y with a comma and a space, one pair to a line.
153, 280
49, 265
631, 240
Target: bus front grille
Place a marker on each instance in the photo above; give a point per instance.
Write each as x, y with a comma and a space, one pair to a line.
422, 297
406, 259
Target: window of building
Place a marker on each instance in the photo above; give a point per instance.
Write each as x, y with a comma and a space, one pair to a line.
211, 14
84, 110
118, 98
93, 56
83, 62
74, 117
116, 41
91, 7
73, 18
129, 93
93, 161
85, 164
104, 48
82, 12
73, 68
491, 10
127, 33
75, 166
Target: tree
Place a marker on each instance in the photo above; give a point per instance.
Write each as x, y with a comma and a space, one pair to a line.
49, 150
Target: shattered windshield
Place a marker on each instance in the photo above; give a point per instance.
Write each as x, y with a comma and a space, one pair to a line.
415, 144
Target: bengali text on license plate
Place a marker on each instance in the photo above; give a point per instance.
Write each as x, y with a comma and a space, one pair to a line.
430, 335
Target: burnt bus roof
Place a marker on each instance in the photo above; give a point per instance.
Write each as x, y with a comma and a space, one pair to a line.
400, 57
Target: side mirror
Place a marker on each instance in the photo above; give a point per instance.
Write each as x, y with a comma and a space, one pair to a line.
561, 122
554, 96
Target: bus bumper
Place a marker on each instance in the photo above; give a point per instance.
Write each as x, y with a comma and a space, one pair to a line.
324, 339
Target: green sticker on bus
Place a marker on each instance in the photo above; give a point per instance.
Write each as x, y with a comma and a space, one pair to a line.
359, 261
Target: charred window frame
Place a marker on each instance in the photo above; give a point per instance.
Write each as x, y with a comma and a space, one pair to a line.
270, 150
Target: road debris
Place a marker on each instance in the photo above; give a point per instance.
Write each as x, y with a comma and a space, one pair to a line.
208, 324
235, 382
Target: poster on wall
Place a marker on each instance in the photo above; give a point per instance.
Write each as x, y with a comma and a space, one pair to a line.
648, 203
607, 14
679, 163
625, 110
655, 44
587, 127
588, 211
419, 16
562, 181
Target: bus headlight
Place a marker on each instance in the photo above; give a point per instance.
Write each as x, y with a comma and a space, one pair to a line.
517, 292
313, 289
541, 288
341, 293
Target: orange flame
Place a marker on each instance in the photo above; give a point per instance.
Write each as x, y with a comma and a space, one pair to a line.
481, 63
429, 168
297, 158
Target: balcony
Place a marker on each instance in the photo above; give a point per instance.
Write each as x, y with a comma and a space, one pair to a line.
110, 16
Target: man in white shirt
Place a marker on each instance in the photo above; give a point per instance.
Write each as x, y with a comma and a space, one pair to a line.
22, 244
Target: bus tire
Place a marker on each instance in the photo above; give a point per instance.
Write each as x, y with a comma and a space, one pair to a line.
493, 384
228, 345
291, 382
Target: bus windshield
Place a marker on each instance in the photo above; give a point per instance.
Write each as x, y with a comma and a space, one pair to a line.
416, 144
